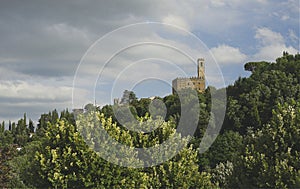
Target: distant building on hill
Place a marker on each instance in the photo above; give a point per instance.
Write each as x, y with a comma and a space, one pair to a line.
197, 83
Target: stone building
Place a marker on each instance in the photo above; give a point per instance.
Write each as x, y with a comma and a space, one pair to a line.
197, 83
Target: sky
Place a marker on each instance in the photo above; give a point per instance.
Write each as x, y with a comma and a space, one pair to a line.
64, 54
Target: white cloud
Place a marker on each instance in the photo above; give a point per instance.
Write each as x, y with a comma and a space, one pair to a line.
226, 55
177, 21
285, 17
66, 32
33, 91
37, 96
262, 1
218, 3
270, 53
293, 36
272, 45
292, 6
268, 37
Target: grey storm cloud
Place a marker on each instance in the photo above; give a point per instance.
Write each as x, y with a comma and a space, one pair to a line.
37, 36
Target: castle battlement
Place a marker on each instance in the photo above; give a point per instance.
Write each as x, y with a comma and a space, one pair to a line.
194, 82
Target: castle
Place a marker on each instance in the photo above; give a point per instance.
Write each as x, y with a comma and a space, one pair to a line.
197, 83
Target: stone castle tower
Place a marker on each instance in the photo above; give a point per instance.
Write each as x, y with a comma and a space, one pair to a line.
197, 83
201, 68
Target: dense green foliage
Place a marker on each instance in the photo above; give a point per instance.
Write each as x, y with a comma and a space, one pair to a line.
271, 157
258, 147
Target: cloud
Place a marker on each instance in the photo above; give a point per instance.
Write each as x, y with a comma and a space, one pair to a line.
35, 96
227, 55
218, 3
237, 3
42, 42
32, 97
268, 37
272, 44
293, 37
165, 49
285, 17
44, 49
22, 90
177, 21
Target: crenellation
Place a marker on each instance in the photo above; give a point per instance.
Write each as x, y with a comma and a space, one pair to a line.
194, 82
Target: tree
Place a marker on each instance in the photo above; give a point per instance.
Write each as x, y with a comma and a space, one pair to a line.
132, 98
6, 154
142, 107
255, 66
6, 138
2, 127
252, 99
31, 126
20, 132
179, 172
64, 160
226, 147
272, 154
9, 125
89, 107
23, 168
128, 97
222, 174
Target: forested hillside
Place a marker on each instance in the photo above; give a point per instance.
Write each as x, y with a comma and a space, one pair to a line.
258, 146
